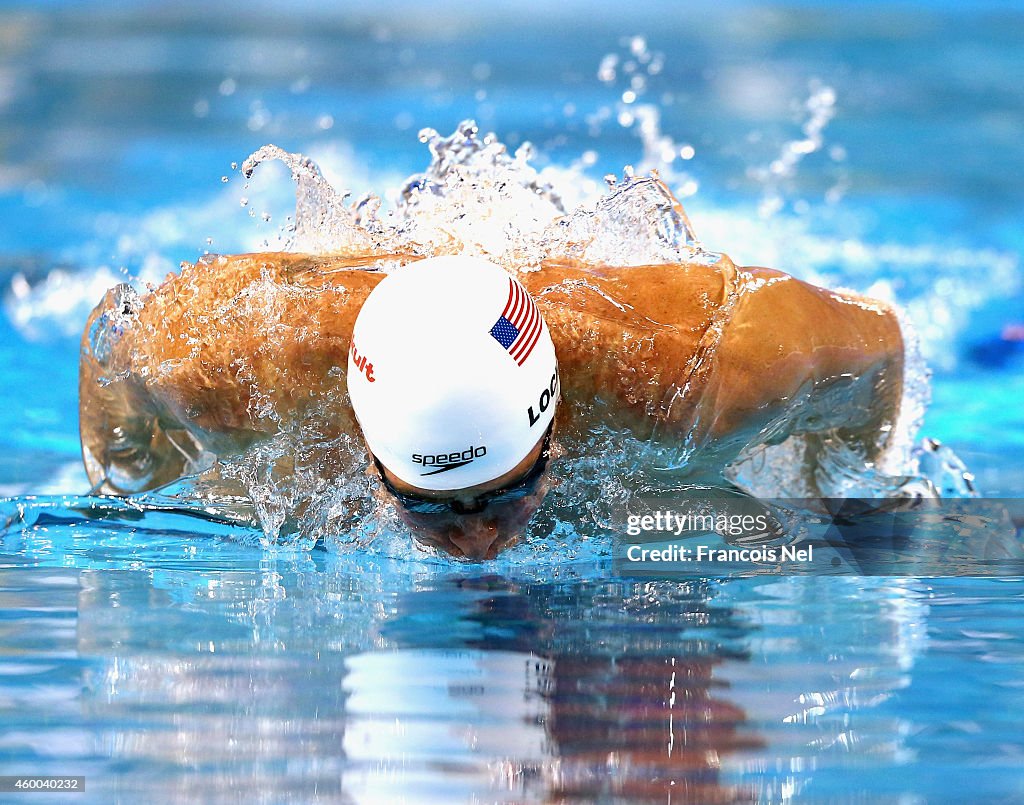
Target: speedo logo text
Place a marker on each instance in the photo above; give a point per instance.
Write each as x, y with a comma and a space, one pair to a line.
442, 462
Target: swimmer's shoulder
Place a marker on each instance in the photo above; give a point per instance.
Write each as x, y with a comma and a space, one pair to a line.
214, 280
290, 268
683, 294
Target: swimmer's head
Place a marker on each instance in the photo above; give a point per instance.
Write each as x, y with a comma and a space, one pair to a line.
479, 521
453, 379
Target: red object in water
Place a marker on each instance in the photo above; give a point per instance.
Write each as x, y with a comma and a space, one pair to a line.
1013, 332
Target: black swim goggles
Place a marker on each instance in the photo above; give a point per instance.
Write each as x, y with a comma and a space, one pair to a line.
522, 488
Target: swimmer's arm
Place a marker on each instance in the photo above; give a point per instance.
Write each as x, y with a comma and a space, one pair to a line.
224, 354
128, 445
797, 359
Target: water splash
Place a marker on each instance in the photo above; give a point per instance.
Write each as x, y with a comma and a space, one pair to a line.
638, 220
476, 198
323, 222
629, 73
819, 108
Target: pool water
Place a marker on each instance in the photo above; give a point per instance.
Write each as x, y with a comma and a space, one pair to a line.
167, 658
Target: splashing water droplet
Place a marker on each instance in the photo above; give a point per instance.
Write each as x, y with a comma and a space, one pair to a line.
820, 108
606, 72
322, 220
477, 198
638, 221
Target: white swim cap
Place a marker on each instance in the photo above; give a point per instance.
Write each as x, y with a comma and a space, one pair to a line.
451, 373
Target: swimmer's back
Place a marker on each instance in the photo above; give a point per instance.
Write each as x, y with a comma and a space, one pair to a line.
627, 337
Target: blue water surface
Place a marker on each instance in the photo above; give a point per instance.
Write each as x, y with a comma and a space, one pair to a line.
167, 658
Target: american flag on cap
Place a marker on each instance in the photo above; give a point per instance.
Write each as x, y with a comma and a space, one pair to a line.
519, 325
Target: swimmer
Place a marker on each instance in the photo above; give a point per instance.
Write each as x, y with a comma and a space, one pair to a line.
714, 360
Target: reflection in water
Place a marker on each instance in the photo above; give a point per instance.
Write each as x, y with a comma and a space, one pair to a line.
598, 708
307, 684
484, 688
196, 693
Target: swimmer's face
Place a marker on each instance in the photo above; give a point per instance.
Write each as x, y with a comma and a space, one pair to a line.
481, 520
